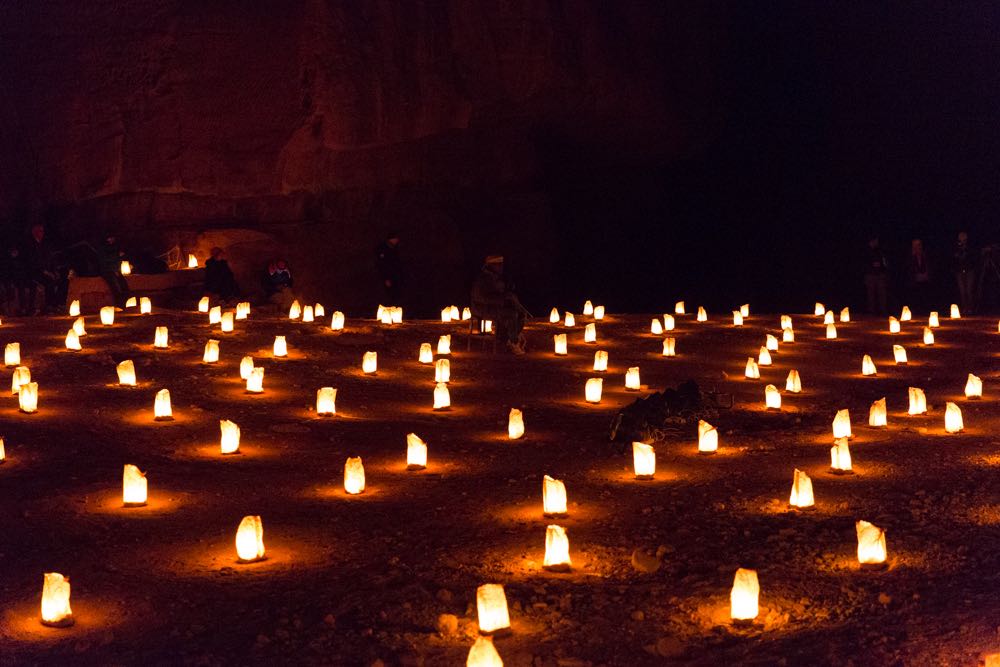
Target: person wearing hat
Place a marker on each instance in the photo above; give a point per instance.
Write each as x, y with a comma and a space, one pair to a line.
493, 299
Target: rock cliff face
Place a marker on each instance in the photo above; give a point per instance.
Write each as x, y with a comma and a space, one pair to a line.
325, 123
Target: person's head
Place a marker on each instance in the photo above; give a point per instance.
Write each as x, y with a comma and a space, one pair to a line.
873, 241
392, 238
217, 253
282, 265
38, 231
916, 246
110, 239
963, 238
494, 263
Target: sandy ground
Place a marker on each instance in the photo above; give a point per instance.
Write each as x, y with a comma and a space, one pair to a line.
351, 580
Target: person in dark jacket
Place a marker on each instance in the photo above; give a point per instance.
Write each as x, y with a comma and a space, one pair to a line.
918, 276
493, 299
390, 269
964, 259
44, 269
109, 264
876, 278
219, 278
278, 283
18, 291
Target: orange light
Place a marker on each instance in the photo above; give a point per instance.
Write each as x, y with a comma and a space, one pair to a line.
250, 540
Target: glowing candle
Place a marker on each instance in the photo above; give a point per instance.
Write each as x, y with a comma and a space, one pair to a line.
12, 354
973, 387
932, 319
840, 457
763, 357
442, 370
515, 424
484, 654
905, 315
125, 268
559, 342
444, 344
679, 308
953, 418
928, 336
752, 371
787, 336
668, 322
786, 322
708, 437
369, 363
126, 373
250, 540
203, 303
307, 314
600, 361
771, 343
831, 331
211, 354
131, 302
295, 310
556, 549
702, 314
145, 306
828, 317
598, 312
871, 544
326, 401
772, 399
242, 310
792, 383
56, 611
280, 347
442, 399
27, 397
632, 379
20, 376
955, 314
3, 452
570, 320
72, 341
554, 316
192, 261
553, 497
643, 460
397, 314
229, 437
899, 354
354, 476
215, 315
79, 327
74, 308
737, 318
918, 401
226, 324
842, 424
426, 354
656, 327
491, 608
485, 326
456, 315
745, 310
384, 315
820, 309
743, 599
802, 490
867, 366
893, 325
588, 308
446, 315
108, 315
590, 333
669, 347
133, 486
337, 321
592, 390
160, 338
161, 406
845, 316
877, 414
416, 452
255, 381
246, 367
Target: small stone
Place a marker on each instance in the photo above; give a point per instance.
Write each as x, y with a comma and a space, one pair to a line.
638, 615
644, 562
447, 624
884, 599
669, 647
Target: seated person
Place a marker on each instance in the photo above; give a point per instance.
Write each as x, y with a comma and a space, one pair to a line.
109, 261
17, 291
278, 283
219, 278
493, 299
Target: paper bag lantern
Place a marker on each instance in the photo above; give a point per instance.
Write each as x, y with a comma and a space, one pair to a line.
899, 354
3, 452
679, 308
211, 354
953, 418
442, 399
131, 302
802, 491
842, 424
928, 336
74, 308
125, 268
955, 314
819, 310
515, 424
484, 654
446, 315
973, 387
643, 460
442, 371
229, 437
868, 366
559, 342
669, 347
933, 320
369, 363
444, 344
416, 452
668, 322
831, 331
227, 322
570, 320
307, 314
702, 314
588, 308
771, 343
242, 310
250, 540
772, 399
354, 476
893, 325
590, 333
255, 381
384, 314
295, 310
326, 401
598, 312
905, 315
840, 457
203, 303
708, 437
845, 315
27, 397
56, 611
752, 371
554, 316
656, 327
632, 379
763, 357
79, 327
133, 486
877, 414
126, 373
743, 599
787, 336
215, 315
745, 310
20, 376
161, 406
280, 347
397, 314
786, 322
456, 315
491, 608
792, 383
160, 338
592, 390
871, 544
72, 341
108, 315
556, 549
737, 318
600, 361
246, 367
553, 497
918, 401
337, 321
828, 317
145, 306
426, 355
192, 261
